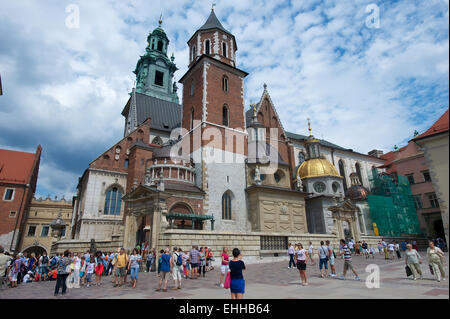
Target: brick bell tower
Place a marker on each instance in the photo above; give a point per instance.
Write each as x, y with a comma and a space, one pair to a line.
213, 122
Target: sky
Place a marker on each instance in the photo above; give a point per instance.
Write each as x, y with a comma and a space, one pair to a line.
367, 73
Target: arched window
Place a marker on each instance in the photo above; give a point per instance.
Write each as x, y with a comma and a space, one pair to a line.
192, 119
160, 46
301, 158
226, 206
192, 88
224, 49
342, 173
207, 47
225, 115
225, 83
358, 172
113, 201
157, 140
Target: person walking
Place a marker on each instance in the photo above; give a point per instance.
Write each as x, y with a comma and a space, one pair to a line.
62, 273
194, 257
165, 270
3, 265
291, 253
99, 266
397, 249
133, 266
311, 253
149, 261
413, 261
224, 265
323, 259
301, 256
76, 270
202, 265
331, 256
391, 248
347, 260
176, 264
237, 282
365, 249
209, 259
436, 259
43, 266
122, 261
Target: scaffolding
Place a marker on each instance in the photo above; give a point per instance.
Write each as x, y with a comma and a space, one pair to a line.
392, 206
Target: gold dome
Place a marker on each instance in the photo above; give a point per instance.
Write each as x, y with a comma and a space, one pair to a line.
317, 167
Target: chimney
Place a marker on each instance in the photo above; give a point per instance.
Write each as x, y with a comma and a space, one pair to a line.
375, 153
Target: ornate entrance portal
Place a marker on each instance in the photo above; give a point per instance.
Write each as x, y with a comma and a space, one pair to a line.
344, 219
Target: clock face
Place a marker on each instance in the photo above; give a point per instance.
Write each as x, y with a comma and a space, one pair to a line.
319, 187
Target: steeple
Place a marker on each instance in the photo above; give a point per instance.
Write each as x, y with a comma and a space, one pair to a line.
154, 70
312, 144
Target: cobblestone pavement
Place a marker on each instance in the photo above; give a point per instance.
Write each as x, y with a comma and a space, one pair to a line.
269, 280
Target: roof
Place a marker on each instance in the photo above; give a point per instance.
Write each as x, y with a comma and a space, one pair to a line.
322, 142
213, 23
185, 187
440, 126
16, 167
165, 115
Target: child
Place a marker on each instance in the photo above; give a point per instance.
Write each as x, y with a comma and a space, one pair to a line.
54, 275
27, 278
372, 252
83, 271
89, 271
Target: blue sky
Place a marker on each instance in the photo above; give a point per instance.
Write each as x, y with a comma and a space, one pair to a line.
362, 87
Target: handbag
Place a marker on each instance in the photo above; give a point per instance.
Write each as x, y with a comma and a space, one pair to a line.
408, 271
227, 282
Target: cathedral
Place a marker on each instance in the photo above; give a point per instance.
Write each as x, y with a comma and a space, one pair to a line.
212, 171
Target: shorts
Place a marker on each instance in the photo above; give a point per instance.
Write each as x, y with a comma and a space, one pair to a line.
193, 266
99, 269
88, 277
224, 269
301, 265
237, 286
121, 271
14, 276
82, 274
164, 274
348, 265
332, 260
43, 270
365, 251
176, 273
323, 262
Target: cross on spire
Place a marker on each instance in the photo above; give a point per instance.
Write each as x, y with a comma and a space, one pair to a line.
309, 126
160, 20
212, 6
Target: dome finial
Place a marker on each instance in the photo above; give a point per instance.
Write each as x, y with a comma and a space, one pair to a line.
253, 106
160, 20
309, 126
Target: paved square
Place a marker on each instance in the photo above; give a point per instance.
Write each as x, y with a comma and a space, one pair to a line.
270, 280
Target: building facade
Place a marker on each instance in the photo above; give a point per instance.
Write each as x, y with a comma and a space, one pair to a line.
18, 178
434, 143
37, 236
210, 172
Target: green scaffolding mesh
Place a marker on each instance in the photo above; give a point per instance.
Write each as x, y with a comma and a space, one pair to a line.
392, 205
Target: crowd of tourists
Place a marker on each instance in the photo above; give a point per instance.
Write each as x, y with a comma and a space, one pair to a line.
87, 269
299, 257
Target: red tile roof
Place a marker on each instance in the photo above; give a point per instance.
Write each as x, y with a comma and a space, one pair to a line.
16, 167
440, 126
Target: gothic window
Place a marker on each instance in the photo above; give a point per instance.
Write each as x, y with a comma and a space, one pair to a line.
159, 78
342, 173
358, 172
126, 163
157, 140
207, 47
113, 201
226, 206
225, 83
224, 49
225, 115
160, 46
301, 158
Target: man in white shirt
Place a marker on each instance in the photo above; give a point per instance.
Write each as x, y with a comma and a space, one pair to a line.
350, 245
311, 253
391, 248
76, 271
291, 252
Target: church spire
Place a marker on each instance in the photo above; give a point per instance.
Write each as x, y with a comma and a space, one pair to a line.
152, 79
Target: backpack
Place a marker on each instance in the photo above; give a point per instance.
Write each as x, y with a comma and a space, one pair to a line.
179, 260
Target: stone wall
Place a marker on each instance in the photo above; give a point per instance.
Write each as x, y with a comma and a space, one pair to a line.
76, 245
